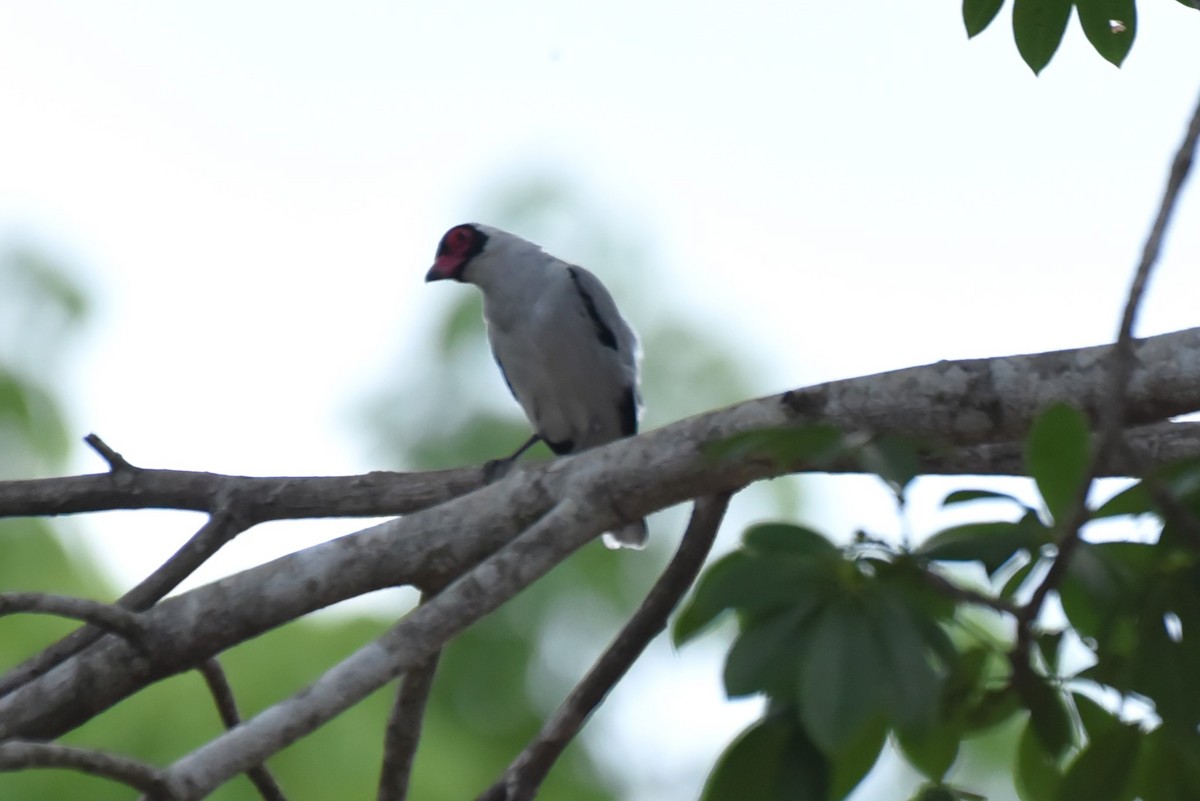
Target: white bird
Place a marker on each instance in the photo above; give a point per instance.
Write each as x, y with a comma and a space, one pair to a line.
564, 350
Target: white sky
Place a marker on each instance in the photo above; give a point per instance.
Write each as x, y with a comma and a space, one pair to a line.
253, 192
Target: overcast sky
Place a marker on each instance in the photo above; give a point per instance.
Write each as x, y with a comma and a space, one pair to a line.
253, 191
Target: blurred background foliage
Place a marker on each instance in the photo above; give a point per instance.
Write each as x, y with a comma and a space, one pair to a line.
446, 407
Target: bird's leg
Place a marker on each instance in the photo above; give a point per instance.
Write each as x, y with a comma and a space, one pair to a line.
497, 468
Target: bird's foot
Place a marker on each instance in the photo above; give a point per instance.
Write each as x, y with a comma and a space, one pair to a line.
496, 469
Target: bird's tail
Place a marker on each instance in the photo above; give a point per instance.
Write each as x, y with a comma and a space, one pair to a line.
632, 536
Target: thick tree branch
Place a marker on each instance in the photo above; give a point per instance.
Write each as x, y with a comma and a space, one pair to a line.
525, 776
570, 524
973, 402
958, 403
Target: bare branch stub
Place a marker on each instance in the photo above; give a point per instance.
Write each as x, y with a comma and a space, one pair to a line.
116, 462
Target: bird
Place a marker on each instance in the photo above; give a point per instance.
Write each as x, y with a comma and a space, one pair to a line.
568, 356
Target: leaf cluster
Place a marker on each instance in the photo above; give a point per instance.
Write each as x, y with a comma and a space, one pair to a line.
870, 643
1039, 25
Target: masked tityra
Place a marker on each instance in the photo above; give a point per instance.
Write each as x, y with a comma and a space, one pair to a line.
566, 353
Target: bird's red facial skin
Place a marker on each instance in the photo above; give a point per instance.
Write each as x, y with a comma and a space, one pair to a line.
447, 266
460, 244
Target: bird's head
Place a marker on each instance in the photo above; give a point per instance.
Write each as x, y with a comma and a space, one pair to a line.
485, 256
458, 247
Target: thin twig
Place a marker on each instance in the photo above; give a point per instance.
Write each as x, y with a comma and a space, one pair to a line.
21, 754
403, 732
222, 693
956, 592
1122, 357
1121, 362
103, 616
568, 525
527, 772
375, 494
216, 532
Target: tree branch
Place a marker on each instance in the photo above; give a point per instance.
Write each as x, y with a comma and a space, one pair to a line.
569, 525
971, 402
116, 462
19, 755
222, 693
375, 494
403, 732
223, 526
527, 772
1121, 363
103, 616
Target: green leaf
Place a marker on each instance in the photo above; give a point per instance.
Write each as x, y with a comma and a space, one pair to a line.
966, 496
1013, 584
773, 760
893, 458
1110, 25
1133, 500
1038, 772
905, 576
967, 677
993, 544
866, 661
936, 792
710, 598
914, 688
932, 750
812, 445
715, 593
994, 708
1168, 767
843, 677
856, 760
790, 540
1038, 27
978, 14
766, 655
1058, 452
1104, 770
1048, 714
1165, 662
1095, 719
1096, 591
755, 585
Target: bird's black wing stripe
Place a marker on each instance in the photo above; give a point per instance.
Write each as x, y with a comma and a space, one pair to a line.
504, 373
605, 334
629, 412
